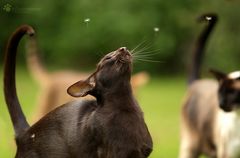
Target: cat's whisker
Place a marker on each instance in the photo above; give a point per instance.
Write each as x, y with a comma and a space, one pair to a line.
146, 55
146, 47
147, 60
141, 43
149, 52
143, 57
143, 54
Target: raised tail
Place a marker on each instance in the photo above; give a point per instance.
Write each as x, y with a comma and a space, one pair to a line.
35, 66
17, 116
198, 51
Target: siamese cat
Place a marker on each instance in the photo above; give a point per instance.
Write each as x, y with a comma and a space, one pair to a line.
200, 108
211, 111
111, 125
53, 85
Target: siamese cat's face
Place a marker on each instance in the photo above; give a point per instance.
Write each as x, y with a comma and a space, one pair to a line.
229, 90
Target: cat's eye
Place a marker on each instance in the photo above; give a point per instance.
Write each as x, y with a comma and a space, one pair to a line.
107, 58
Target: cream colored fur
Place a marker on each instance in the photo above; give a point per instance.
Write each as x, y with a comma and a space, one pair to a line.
227, 134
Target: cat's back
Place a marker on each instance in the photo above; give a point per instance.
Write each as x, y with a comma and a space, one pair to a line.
200, 103
59, 128
204, 86
64, 119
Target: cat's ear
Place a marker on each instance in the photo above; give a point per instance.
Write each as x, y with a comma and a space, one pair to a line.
218, 74
81, 88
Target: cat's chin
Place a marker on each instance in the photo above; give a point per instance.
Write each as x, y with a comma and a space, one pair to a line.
235, 108
227, 109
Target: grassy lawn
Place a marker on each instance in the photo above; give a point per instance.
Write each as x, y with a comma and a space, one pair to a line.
160, 101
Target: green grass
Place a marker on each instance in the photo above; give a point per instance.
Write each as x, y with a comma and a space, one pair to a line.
27, 93
160, 101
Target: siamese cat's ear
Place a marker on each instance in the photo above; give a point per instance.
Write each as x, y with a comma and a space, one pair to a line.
218, 75
81, 88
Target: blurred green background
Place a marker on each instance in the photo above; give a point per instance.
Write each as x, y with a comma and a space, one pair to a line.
68, 41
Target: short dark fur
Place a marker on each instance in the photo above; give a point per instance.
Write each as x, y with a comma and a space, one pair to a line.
228, 91
112, 126
53, 85
200, 45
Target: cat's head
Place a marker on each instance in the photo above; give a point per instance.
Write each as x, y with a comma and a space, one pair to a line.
229, 90
112, 73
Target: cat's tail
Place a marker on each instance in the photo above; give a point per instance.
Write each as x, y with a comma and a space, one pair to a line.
17, 116
34, 63
198, 51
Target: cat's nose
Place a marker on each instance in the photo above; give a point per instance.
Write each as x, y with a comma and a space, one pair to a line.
122, 49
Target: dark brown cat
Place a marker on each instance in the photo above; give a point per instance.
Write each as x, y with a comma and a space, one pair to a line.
110, 126
53, 85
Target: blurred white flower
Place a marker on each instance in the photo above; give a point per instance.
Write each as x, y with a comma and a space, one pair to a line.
209, 18
156, 29
86, 20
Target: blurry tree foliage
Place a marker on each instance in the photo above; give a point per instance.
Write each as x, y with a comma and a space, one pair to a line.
75, 34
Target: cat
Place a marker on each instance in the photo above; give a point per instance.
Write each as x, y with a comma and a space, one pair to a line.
53, 85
